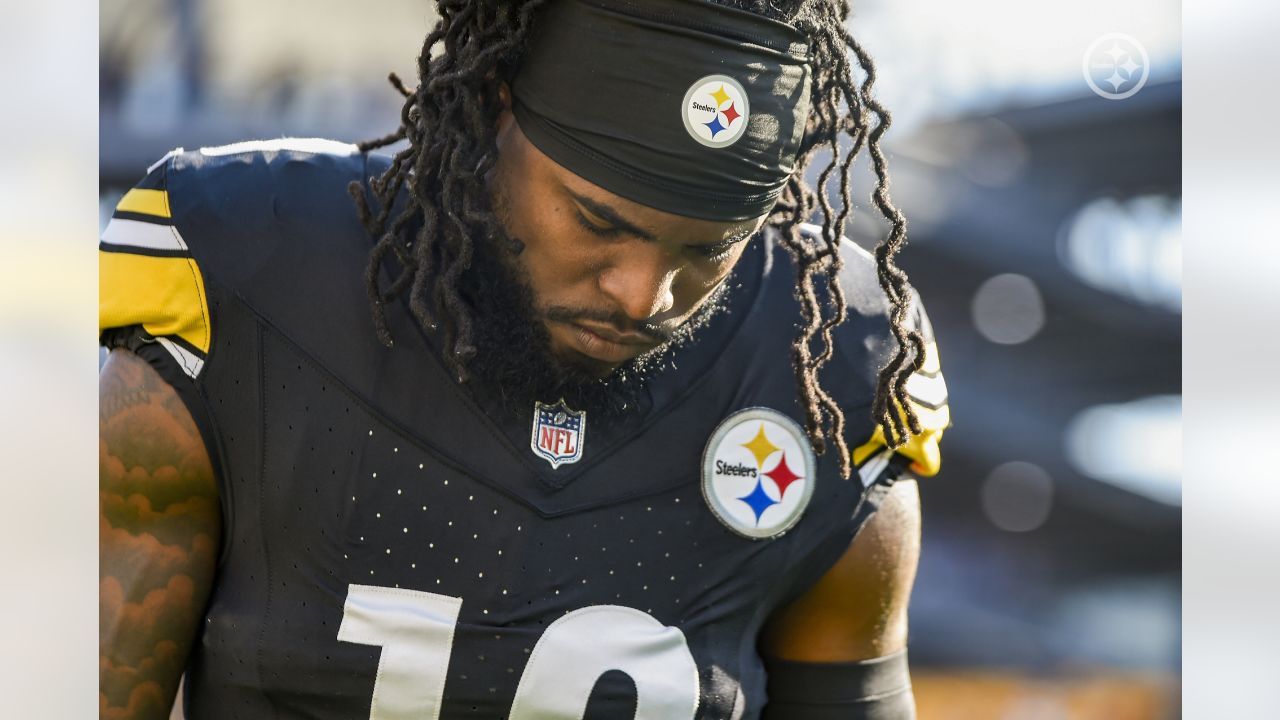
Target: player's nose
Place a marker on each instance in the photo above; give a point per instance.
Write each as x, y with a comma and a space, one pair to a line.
640, 282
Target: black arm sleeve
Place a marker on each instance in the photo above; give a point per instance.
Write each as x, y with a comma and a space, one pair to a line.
878, 689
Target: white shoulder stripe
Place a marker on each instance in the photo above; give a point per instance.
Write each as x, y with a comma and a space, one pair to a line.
165, 159
932, 390
814, 231
133, 233
318, 146
191, 365
870, 470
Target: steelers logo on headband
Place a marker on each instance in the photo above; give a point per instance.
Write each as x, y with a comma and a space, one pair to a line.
684, 106
716, 111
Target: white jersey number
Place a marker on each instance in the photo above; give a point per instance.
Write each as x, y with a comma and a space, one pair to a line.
415, 631
585, 644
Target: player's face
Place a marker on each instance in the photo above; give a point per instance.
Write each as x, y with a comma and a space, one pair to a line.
611, 278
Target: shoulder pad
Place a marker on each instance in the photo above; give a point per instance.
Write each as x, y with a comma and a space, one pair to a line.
215, 212
867, 328
147, 276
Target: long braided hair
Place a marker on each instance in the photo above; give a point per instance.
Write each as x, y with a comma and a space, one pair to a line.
449, 120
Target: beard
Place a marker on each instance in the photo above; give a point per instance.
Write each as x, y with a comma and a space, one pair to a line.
514, 363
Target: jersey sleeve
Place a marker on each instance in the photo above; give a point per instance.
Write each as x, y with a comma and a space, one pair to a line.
927, 393
151, 291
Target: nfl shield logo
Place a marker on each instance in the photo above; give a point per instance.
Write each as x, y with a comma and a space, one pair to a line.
558, 433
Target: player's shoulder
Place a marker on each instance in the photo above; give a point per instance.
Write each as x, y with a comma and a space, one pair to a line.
864, 343
262, 182
247, 160
865, 301
870, 326
244, 172
234, 207
866, 335
256, 224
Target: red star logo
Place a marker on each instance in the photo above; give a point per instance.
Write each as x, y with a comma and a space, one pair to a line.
782, 475
731, 114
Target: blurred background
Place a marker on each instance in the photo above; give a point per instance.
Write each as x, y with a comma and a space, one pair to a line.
1045, 236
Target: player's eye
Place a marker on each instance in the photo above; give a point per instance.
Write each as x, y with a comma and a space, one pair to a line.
716, 252
594, 226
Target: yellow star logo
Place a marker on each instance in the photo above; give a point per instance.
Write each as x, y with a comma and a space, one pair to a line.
721, 96
761, 447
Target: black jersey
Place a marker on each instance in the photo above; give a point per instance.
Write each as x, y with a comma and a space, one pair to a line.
393, 547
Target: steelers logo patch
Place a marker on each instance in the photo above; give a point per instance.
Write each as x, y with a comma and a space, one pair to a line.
758, 472
716, 111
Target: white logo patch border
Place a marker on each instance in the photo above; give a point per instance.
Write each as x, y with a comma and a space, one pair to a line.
731, 423
689, 124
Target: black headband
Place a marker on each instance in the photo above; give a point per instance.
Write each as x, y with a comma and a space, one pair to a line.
682, 105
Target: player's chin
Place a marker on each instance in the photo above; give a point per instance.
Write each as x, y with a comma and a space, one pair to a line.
575, 367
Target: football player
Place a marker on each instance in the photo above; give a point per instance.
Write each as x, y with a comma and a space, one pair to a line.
562, 411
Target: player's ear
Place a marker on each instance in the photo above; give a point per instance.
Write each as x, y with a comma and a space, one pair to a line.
504, 96
505, 117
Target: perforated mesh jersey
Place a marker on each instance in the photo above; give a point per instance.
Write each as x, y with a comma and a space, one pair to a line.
393, 553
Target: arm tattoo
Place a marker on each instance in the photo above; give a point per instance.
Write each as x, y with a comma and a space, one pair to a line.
159, 524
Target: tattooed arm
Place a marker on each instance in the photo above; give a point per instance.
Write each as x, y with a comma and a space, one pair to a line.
159, 524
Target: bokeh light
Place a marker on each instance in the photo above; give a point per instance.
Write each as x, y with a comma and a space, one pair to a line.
1008, 309
1017, 496
1129, 247
1136, 445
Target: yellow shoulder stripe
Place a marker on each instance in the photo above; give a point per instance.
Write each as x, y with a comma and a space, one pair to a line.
165, 295
923, 449
146, 202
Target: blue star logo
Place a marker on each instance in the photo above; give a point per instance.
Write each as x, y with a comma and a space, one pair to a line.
714, 126
758, 500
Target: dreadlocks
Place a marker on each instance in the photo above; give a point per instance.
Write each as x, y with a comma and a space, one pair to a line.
449, 121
